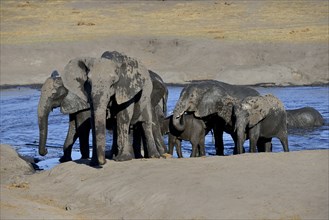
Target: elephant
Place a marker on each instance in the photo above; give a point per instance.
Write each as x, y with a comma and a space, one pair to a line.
260, 118
94, 81
159, 97
212, 101
306, 117
192, 129
54, 94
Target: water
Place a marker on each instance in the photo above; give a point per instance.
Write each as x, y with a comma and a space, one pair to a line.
19, 124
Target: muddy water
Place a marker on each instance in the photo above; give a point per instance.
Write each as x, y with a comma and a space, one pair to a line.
19, 125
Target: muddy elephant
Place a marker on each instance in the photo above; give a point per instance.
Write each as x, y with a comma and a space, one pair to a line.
261, 118
96, 81
159, 97
191, 129
306, 117
54, 95
79, 108
212, 101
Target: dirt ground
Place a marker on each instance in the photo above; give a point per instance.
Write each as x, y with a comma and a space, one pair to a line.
252, 186
239, 42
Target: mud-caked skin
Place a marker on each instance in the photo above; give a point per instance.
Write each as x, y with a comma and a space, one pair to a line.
70, 93
213, 102
261, 118
54, 95
191, 129
306, 117
96, 81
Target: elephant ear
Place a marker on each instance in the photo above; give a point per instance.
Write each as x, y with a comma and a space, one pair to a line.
257, 107
74, 77
132, 78
211, 102
225, 112
159, 90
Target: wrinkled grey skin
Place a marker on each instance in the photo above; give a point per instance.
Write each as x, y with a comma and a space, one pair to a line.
306, 117
212, 101
95, 81
261, 118
53, 95
159, 97
194, 130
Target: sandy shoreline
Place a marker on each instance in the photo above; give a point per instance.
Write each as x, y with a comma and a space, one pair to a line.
251, 186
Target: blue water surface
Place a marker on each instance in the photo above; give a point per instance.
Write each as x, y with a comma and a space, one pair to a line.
19, 124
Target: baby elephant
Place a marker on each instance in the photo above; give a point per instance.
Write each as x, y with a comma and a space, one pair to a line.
306, 117
191, 129
260, 118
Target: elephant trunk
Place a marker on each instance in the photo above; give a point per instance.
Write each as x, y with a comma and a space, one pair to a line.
178, 122
43, 113
178, 113
240, 128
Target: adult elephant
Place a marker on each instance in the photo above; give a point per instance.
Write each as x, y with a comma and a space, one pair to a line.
159, 97
261, 118
54, 95
96, 80
213, 102
306, 117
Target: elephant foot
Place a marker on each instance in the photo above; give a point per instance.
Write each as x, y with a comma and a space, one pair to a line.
94, 163
97, 162
154, 154
123, 157
64, 159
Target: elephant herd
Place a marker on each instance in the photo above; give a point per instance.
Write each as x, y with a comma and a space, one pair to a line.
116, 92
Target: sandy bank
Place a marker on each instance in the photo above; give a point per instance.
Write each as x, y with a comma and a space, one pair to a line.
179, 60
251, 186
239, 42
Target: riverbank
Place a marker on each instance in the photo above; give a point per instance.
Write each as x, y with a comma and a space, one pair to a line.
251, 186
238, 42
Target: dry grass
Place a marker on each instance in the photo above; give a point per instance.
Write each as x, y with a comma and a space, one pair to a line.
48, 21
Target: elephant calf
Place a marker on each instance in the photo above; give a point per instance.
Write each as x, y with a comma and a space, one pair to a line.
191, 129
261, 118
306, 117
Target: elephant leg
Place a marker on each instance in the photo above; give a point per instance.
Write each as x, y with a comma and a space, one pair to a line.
70, 139
261, 145
147, 126
219, 143
264, 144
253, 138
171, 144
268, 146
284, 141
84, 143
194, 150
138, 136
195, 146
125, 151
99, 134
159, 143
179, 148
151, 149
202, 150
83, 125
